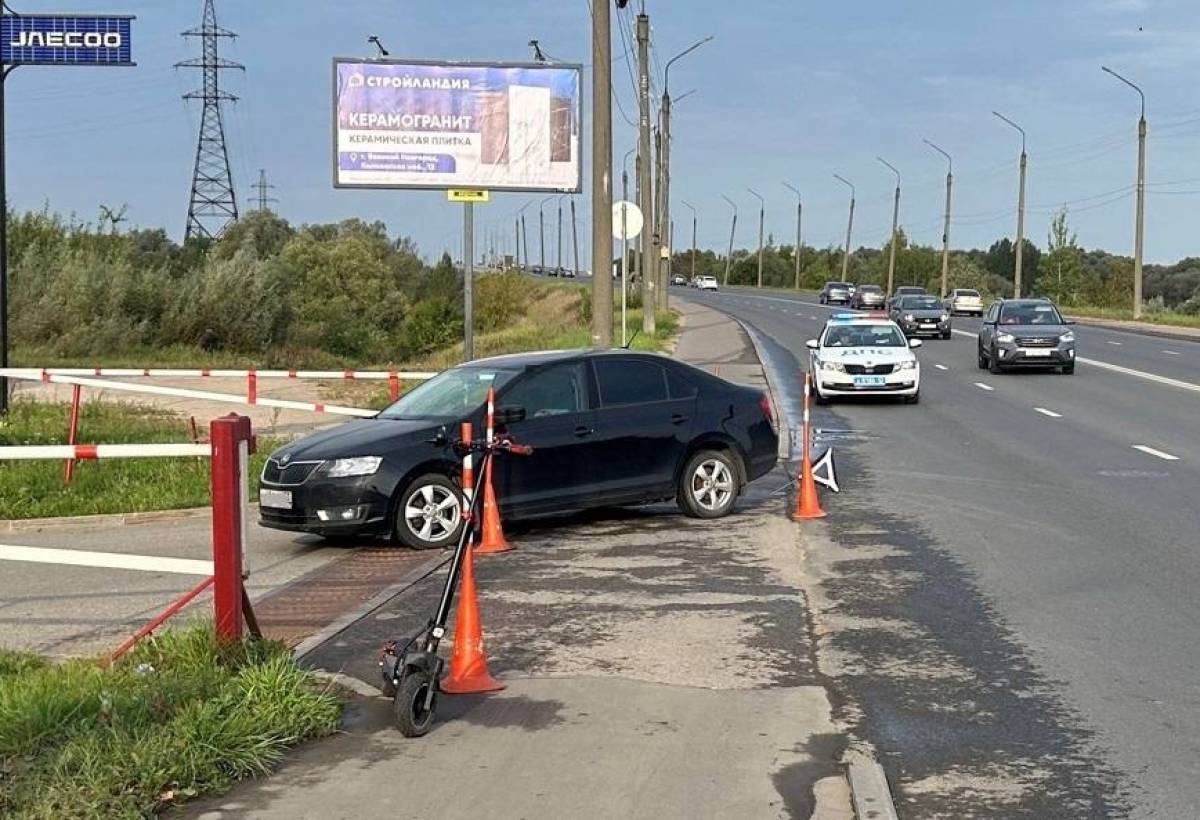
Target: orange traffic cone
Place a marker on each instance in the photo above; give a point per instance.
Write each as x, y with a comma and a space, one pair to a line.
808, 502
468, 665
493, 533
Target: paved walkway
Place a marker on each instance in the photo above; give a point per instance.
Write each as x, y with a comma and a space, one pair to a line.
656, 667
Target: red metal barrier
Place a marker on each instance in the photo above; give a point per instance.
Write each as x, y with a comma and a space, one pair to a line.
232, 443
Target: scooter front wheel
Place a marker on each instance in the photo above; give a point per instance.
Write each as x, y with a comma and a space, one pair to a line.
412, 717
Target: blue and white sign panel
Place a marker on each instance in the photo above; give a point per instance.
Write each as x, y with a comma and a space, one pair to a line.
487, 126
65, 39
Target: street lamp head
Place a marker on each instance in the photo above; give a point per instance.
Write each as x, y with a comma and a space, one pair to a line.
1014, 125
847, 182
689, 205
940, 151
893, 167
793, 189
1128, 83
732, 204
684, 53
761, 201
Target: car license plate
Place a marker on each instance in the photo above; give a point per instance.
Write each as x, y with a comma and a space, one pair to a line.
1043, 352
869, 381
278, 499
928, 325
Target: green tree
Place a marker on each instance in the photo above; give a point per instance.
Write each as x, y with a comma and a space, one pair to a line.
1061, 276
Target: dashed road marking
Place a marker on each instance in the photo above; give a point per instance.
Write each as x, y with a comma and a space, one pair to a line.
1157, 453
1172, 352
941, 367
1116, 344
1049, 413
983, 386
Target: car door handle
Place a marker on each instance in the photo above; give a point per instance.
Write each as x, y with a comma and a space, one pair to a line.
677, 418
583, 432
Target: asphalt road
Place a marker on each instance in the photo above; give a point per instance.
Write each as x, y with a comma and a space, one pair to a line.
1037, 554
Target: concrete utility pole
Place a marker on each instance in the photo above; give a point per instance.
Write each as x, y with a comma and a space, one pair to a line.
695, 222
602, 292
660, 230
732, 229
1140, 224
649, 254
624, 245
946, 223
1020, 209
762, 215
542, 232
517, 247
665, 178
849, 229
895, 226
559, 243
799, 225
525, 238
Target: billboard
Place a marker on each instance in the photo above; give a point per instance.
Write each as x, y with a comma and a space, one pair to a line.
493, 126
66, 39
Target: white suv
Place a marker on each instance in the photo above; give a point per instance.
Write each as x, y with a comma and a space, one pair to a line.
864, 355
707, 283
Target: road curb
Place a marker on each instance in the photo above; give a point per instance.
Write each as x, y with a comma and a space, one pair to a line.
869, 789
782, 423
331, 630
69, 522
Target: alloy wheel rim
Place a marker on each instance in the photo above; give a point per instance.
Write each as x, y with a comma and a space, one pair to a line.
712, 484
432, 512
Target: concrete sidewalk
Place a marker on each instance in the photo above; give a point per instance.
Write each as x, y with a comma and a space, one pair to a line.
657, 667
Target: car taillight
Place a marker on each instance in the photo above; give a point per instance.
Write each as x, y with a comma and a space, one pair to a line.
764, 404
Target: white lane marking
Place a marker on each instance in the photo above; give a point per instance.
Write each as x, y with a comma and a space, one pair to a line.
983, 386
107, 560
814, 318
1118, 344
1125, 371
1153, 452
1172, 352
941, 367
1049, 413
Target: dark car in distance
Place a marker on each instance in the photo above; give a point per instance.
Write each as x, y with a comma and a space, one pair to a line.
921, 315
901, 292
1026, 333
608, 428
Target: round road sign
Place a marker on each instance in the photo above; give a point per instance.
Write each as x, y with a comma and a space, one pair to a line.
628, 216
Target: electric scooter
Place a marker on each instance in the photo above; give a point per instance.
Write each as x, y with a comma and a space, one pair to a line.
410, 674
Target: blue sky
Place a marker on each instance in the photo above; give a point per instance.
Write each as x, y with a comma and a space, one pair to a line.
790, 90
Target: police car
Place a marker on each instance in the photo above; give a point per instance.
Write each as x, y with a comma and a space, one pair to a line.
864, 354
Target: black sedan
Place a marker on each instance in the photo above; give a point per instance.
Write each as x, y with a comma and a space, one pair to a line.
921, 315
608, 428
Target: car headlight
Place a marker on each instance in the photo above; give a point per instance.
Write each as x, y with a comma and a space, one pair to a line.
1005, 338
349, 467
911, 364
1069, 336
837, 367
945, 317
908, 317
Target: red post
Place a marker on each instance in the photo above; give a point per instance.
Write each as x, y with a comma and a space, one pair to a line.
468, 469
73, 431
252, 387
393, 385
231, 445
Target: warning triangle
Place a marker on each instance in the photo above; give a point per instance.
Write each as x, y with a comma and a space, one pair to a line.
823, 471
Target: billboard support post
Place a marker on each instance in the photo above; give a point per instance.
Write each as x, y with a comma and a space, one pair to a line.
4, 72
575, 237
468, 281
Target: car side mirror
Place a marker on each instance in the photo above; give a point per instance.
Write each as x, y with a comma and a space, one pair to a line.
510, 414
1068, 321
914, 342
812, 344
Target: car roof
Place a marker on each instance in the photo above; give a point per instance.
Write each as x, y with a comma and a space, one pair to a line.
543, 357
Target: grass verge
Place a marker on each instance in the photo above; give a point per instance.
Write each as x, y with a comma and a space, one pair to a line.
35, 489
181, 716
1162, 317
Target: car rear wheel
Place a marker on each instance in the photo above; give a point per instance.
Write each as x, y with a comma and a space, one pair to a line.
429, 513
708, 485
981, 359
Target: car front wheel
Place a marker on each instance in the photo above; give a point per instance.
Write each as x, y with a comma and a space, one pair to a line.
994, 363
429, 513
708, 485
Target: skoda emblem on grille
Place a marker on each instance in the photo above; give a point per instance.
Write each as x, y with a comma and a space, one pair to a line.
284, 459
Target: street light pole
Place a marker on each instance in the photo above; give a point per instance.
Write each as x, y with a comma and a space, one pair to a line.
762, 212
895, 226
649, 261
559, 243
1140, 224
695, 222
849, 229
732, 229
1020, 209
799, 233
602, 295
946, 223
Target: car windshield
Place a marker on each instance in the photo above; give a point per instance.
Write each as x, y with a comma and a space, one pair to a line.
909, 291
921, 303
864, 336
870, 289
1030, 315
837, 285
969, 293
451, 394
